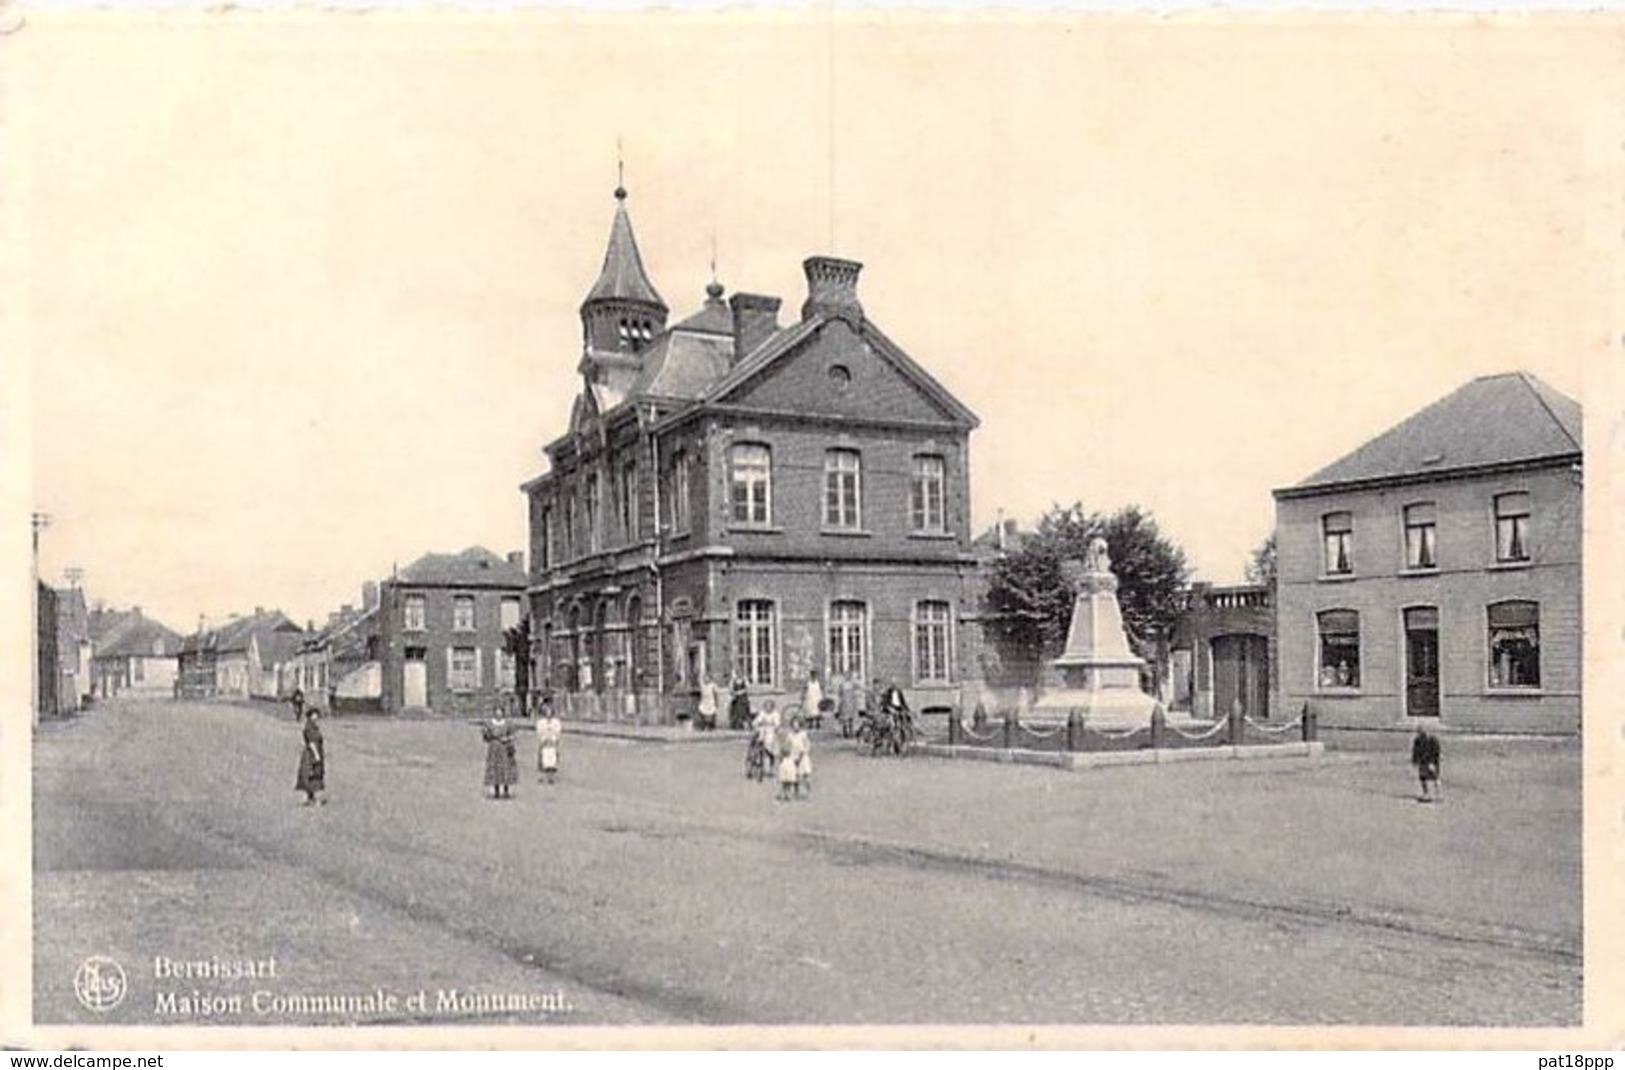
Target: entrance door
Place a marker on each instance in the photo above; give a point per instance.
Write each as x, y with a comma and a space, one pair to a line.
1422, 662
415, 679
1241, 671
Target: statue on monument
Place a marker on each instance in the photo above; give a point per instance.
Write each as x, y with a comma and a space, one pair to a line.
1098, 559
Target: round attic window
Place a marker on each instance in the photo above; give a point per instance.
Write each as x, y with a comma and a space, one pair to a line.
840, 375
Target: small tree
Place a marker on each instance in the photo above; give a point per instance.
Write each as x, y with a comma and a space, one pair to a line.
1261, 567
1031, 599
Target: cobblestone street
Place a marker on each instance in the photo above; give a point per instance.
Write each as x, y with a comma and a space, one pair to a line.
654, 884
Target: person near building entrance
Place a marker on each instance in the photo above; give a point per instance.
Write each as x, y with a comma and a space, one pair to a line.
501, 763
705, 710
312, 778
812, 700
297, 701
739, 704
549, 734
1425, 756
849, 701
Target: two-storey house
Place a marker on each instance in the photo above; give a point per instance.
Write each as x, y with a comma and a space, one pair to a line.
739, 498
1433, 575
439, 627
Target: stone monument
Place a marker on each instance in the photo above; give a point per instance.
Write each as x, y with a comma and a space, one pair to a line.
1100, 675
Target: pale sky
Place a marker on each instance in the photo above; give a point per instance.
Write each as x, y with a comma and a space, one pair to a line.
301, 293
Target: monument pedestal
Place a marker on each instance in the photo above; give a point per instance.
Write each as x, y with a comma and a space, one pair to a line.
1105, 693
1100, 675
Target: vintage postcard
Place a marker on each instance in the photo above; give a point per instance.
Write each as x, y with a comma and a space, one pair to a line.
830, 526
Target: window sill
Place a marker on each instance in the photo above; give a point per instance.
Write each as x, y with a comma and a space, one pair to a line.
1510, 566
1333, 691
1428, 570
1514, 692
1335, 577
756, 529
935, 536
847, 533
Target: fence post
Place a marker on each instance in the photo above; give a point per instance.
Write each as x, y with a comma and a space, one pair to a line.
1310, 728
1009, 730
954, 727
1072, 729
1159, 727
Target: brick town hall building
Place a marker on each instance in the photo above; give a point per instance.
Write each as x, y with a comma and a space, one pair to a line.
736, 497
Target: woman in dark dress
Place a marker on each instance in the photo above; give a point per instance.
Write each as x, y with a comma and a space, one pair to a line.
312, 779
739, 704
501, 763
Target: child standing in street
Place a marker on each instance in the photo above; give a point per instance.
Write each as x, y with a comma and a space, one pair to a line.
789, 772
549, 733
799, 751
1425, 756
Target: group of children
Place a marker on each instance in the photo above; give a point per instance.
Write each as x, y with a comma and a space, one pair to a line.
788, 749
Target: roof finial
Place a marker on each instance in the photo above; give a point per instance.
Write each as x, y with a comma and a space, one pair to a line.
620, 171
713, 289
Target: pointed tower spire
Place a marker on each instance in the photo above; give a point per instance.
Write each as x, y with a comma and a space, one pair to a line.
623, 311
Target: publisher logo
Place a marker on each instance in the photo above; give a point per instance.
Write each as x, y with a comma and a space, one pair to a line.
99, 983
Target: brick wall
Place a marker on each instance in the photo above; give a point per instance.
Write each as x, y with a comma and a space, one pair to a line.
1465, 583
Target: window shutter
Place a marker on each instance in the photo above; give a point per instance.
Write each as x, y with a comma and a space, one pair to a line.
479, 675
450, 662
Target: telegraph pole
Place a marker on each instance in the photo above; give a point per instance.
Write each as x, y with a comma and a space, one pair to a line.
39, 521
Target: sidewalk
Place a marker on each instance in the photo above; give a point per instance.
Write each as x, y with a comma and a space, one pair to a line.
645, 733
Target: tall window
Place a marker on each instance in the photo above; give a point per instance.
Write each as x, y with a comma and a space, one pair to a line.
1514, 644
842, 489
931, 631
462, 613
507, 670
569, 528
846, 623
627, 486
1421, 530
549, 551
509, 614
753, 640
1339, 648
679, 492
1512, 527
594, 515
926, 498
751, 473
413, 614
1338, 529
463, 669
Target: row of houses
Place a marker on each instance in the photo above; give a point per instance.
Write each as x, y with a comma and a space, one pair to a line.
737, 498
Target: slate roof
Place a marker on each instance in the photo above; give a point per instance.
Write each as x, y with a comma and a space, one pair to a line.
278, 646
685, 360
474, 567
1494, 420
127, 633
622, 276
234, 636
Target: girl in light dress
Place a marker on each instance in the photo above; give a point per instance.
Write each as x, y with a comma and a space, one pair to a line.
549, 733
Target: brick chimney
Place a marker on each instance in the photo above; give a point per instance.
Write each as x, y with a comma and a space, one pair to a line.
369, 596
832, 288
516, 557
756, 317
